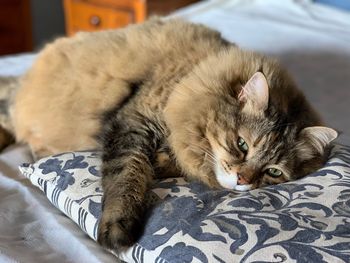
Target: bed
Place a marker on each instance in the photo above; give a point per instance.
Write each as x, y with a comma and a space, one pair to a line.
303, 221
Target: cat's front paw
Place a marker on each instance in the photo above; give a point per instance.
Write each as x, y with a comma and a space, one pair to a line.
118, 229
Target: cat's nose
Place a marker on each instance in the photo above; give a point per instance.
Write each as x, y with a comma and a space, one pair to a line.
241, 180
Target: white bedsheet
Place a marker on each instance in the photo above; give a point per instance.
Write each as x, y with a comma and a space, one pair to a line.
311, 40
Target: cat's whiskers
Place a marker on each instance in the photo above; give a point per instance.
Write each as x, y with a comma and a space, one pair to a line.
211, 158
197, 147
196, 134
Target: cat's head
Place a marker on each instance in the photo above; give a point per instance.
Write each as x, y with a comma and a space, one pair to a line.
261, 145
243, 129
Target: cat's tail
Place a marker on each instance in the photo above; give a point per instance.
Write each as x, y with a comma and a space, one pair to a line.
8, 88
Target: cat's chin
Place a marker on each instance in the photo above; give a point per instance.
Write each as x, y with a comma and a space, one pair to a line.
229, 181
243, 187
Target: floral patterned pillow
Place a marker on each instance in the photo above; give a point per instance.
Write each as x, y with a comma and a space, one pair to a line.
305, 221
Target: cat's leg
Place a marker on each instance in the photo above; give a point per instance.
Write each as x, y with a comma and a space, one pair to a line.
165, 165
127, 172
6, 138
8, 87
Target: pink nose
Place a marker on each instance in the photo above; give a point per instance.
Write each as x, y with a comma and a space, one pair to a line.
242, 180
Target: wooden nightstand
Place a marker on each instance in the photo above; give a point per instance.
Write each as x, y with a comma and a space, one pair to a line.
15, 26
93, 15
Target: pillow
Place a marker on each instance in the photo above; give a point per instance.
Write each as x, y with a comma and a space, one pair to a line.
307, 220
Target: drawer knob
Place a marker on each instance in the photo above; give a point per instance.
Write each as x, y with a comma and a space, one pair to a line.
95, 20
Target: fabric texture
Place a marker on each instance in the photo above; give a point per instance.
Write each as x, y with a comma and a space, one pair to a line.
307, 220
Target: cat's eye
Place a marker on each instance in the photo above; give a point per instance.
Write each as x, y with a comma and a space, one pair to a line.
273, 172
242, 145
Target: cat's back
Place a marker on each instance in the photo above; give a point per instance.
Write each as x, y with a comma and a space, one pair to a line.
75, 79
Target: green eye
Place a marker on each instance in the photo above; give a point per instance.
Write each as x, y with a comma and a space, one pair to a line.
242, 145
273, 172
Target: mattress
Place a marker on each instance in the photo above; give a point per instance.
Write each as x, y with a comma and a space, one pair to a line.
311, 40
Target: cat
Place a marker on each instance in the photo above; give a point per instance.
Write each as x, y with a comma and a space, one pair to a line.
166, 98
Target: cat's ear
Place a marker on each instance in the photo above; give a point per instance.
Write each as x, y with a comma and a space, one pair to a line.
255, 94
319, 136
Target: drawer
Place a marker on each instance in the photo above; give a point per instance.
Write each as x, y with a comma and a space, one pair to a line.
84, 16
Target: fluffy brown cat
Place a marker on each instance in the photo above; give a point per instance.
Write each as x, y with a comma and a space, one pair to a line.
176, 98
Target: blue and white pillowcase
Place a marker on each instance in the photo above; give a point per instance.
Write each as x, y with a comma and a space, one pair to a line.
71, 181
305, 221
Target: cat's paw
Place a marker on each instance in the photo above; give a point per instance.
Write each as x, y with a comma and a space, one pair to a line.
118, 229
